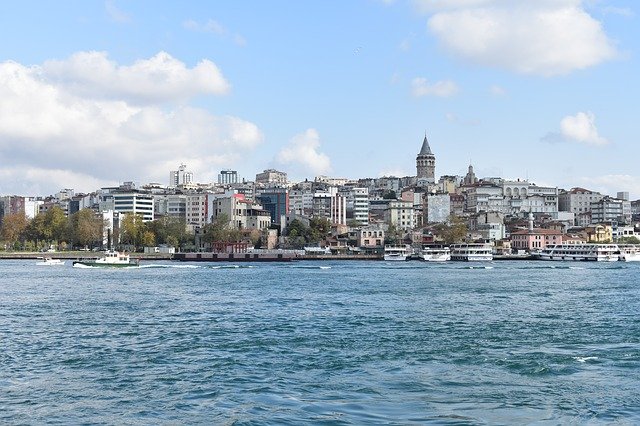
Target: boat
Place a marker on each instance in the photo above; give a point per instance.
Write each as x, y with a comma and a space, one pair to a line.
580, 252
48, 261
629, 252
471, 252
111, 259
436, 254
394, 253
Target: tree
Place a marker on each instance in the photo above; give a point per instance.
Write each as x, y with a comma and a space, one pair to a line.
453, 231
132, 230
13, 227
55, 224
85, 228
389, 194
320, 229
218, 230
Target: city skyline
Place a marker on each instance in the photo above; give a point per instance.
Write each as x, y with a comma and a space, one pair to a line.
98, 93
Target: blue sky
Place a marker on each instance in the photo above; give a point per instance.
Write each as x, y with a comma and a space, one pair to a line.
95, 93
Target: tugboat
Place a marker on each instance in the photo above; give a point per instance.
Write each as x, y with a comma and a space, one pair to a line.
111, 258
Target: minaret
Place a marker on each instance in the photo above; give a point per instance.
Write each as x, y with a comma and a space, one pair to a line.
425, 164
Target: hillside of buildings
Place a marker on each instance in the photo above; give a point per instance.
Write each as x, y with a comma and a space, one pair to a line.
342, 215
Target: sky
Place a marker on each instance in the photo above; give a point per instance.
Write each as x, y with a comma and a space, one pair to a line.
96, 93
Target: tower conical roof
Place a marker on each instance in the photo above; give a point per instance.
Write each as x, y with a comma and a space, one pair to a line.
426, 149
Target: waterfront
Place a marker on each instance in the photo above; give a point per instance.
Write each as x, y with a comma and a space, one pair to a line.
321, 342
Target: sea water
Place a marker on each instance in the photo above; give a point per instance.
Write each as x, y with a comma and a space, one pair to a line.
321, 343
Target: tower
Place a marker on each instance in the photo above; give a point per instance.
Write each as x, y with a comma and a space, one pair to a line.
425, 164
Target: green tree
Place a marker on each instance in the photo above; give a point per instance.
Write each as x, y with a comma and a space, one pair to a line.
320, 229
132, 229
218, 230
453, 231
55, 224
85, 228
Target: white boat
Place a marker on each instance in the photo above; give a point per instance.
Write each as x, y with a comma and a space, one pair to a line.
396, 253
629, 252
436, 254
111, 258
48, 261
580, 252
471, 252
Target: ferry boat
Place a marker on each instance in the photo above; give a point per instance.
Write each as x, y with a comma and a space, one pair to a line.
436, 254
629, 252
111, 259
394, 253
580, 252
471, 252
48, 261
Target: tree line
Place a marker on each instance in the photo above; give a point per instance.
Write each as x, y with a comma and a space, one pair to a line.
86, 229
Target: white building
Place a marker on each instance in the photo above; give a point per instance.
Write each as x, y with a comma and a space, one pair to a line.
609, 209
437, 208
134, 202
271, 178
577, 200
172, 205
180, 177
330, 205
357, 203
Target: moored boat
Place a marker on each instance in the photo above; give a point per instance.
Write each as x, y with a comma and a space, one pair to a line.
629, 252
111, 258
436, 254
580, 252
471, 252
393, 253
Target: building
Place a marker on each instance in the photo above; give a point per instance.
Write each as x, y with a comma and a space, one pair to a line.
470, 178
171, 205
134, 202
425, 164
577, 200
180, 177
370, 237
400, 214
330, 205
227, 177
276, 202
609, 209
357, 203
242, 213
271, 178
535, 238
437, 208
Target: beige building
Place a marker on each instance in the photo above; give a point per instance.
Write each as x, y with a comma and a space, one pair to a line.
400, 214
242, 213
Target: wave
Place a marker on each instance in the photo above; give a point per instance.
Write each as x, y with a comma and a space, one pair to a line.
230, 267
310, 267
157, 265
584, 359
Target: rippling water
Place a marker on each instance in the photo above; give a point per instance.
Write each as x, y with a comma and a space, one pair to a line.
329, 343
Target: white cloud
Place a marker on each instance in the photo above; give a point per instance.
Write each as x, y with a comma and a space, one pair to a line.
302, 154
115, 13
581, 128
497, 91
64, 128
161, 78
542, 37
611, 184
421, 87
212, 26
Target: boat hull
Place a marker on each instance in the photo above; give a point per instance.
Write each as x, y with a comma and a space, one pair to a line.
104, 265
